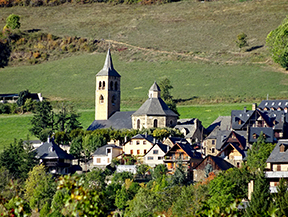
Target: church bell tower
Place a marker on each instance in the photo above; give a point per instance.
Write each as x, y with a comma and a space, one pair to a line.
107, 97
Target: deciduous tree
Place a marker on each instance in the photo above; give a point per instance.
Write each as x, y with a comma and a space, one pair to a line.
277, 42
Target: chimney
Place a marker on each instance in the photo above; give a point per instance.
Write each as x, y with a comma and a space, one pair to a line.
254, 106
245, 109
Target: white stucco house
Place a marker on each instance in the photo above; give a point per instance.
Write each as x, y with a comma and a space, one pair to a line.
155, 155
104, 155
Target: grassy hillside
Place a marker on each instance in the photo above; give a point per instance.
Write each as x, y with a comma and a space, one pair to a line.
180, 26
73, 79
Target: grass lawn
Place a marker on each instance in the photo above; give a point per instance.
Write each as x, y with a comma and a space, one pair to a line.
73, 79
17, 126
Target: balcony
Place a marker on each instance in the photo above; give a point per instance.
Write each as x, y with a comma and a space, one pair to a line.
180, 158
276, 174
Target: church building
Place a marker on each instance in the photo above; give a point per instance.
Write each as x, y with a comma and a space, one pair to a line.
153, 113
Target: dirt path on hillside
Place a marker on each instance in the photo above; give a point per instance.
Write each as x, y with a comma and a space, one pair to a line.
230, 62
156, 51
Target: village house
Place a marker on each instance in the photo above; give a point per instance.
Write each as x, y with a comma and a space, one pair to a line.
139, 145
192, 129
54, 158
103, 156
210, 164
220, 128
182, 154
155, 155
277, 165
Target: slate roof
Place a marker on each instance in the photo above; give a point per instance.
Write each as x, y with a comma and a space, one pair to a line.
175, 140
108, 69
189, 124
50, 150
144, 136
119, 120
273, 104
155, 87
222, 122
268, 131
163, 147
154, 106
221, 163
102, 150
276, 156
274, 118
242, 115
188, 149
235, 145
222, 136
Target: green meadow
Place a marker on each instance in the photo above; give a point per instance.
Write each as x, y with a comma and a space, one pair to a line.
73, 79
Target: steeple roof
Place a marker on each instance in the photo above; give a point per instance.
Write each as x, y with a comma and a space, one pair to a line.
108, 69
155, 87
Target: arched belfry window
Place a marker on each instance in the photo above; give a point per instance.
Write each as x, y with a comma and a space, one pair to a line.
100, 85
101, 99
138, 124
113, 100
111, 85
103, 85
116, 85
155, 123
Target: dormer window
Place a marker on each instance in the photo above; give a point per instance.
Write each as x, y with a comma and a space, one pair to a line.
108, 150
279, 103
266, 103
283, 148
239, 122
254, 136
273, 103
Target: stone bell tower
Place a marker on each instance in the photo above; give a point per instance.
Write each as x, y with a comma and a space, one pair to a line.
107, 97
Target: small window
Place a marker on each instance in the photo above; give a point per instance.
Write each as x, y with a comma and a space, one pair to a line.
100, 85
213, 150
137, 143
138, 124
108, 150
113, 100
150, 158
254, 136
131, 151
101, 99
144, 142
155, 123
103, 88
160, 158
98, 160
116, 85
145, 151
213, 142
138, 151
111, 85
155, 151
